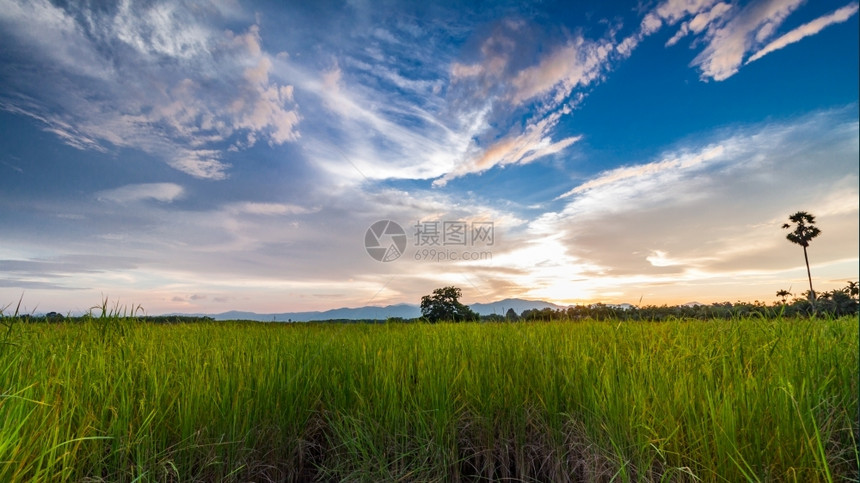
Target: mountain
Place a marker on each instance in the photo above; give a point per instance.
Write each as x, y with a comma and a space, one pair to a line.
358, 313
405, 311
519, 305
620, 306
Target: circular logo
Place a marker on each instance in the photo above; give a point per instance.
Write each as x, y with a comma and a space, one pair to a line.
385, 241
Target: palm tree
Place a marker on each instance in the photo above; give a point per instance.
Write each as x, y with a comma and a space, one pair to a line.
783, 293
853, 290
804, 231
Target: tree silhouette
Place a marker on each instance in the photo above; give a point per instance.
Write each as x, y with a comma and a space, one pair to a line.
444, 305
852, 289
783, 293
804, 231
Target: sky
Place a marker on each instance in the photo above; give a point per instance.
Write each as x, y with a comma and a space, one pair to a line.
206, 156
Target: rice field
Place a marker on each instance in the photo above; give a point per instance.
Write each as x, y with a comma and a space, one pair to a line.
115, 399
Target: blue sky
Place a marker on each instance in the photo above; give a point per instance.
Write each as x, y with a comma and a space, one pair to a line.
213, 156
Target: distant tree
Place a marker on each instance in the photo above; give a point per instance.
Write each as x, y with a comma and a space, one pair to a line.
837, 303
783, 293
444, 304
852, 289
492, 318
804, 231
843, 303
54, 317
511, 314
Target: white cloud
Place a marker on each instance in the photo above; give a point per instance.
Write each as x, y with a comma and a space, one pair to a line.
674, 163
650, 24
628, 45
674, 10
460, 71
659, 258
700, 22
267, 209
807, 29
575, 64
164, 29
200, 163
730, 32
163, 192
727, 44
260, 104
524, 148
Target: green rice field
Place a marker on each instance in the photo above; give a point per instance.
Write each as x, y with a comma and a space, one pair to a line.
115, 399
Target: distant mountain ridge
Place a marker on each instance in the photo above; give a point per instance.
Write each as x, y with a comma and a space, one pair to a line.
519, 305
406, 311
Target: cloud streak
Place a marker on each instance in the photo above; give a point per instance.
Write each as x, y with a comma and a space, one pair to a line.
163, 192
806, 30
729, 31
728, 43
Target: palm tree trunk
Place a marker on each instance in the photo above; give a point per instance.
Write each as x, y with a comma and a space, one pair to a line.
809, 274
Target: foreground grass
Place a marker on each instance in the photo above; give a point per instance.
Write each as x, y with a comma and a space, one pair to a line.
743, 400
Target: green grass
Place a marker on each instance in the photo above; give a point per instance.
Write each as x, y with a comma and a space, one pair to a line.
118, 400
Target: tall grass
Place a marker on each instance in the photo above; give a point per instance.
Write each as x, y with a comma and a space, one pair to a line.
741, 400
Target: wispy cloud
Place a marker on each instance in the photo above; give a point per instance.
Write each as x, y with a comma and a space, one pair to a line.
267, 209
807, 29
163, 192
574, 64
200, 163
163, 30
730, 32
728, 43
521, 148
509, 77
159, 77
700, 21
675, 163
380, 121
448, 118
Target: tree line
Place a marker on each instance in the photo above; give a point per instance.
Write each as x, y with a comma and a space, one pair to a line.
835, 303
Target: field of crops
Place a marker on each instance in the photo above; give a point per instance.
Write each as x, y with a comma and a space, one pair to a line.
119, 400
